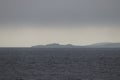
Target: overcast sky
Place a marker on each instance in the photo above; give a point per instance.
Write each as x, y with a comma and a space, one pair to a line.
73, 21
59, 11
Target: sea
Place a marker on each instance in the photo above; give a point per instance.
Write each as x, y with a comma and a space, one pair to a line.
59, 63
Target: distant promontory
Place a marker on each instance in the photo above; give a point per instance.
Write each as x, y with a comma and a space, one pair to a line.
97, 45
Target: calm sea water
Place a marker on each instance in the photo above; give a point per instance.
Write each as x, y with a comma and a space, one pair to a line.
59, 64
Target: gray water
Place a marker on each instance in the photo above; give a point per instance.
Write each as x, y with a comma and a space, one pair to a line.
59, 64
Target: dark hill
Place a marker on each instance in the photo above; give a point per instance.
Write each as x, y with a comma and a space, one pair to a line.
97, 45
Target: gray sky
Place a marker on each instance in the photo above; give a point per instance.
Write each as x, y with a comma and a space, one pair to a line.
32, 22
59, 11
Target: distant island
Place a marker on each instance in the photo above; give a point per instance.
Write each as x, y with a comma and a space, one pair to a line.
97, 45
56, 45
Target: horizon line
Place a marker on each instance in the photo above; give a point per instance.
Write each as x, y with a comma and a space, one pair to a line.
53, 43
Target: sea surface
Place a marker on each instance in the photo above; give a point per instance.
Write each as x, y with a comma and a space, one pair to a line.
59, 64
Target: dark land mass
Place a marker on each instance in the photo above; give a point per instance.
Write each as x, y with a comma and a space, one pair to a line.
60, 64
97, 45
